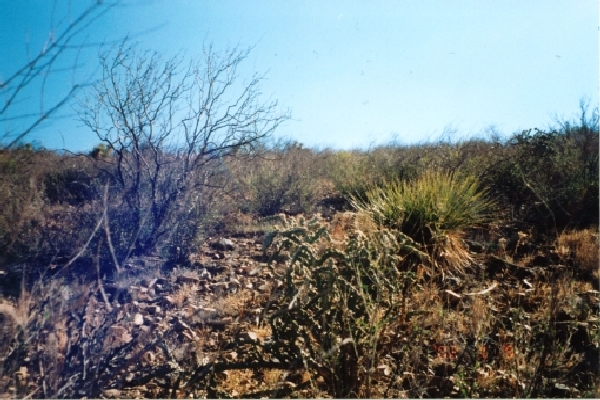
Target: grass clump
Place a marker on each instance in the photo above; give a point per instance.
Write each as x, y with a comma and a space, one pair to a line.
436, 202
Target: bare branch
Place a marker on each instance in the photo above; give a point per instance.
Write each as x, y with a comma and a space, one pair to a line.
168, 125
39, 69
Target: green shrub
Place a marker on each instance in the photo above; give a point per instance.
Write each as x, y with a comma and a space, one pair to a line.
549, 178
437, 201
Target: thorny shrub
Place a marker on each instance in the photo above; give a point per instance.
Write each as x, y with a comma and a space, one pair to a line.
358, 314
288, 178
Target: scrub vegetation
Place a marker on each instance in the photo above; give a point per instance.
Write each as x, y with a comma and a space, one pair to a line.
191, 254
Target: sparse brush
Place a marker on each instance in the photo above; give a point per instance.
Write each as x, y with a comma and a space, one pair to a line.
582, 246
437, 201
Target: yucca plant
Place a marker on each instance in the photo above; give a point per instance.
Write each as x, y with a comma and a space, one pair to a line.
436, 202
433, 210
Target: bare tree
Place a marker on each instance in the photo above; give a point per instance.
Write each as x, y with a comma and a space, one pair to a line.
169, 124
59, 50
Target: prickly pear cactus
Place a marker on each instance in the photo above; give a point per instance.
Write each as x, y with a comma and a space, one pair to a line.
335, 304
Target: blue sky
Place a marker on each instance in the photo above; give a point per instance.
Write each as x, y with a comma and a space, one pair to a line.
353, 73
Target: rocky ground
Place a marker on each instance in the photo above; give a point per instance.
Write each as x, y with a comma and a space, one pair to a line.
200, 330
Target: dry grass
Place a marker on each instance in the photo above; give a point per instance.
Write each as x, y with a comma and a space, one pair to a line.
582, 246
245, 224
240, 223
247, 381
450, 254
240, 382
236, 304
18, 314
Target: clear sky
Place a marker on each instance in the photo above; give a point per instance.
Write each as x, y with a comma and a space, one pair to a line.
353, 73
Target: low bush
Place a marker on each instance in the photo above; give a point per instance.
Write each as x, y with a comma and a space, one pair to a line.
435, 202
354, 172
581, 248
286, 179
72, 186
550, 178
22, 211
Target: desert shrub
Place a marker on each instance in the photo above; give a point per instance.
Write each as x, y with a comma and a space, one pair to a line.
286, 179
550, 177
348, 171
167, 125
100, 151
22, 213
53, 202
129, 215
437, 201
354, 172
73, 186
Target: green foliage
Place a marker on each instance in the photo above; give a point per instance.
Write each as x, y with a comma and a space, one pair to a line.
549, 178
336, 304
100, 151
436, 201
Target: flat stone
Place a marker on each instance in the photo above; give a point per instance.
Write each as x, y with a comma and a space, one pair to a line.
223, 245
248, 336
264, 288
145, 328
169, 300
384, 369
146, 298
112, 393
207, 313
